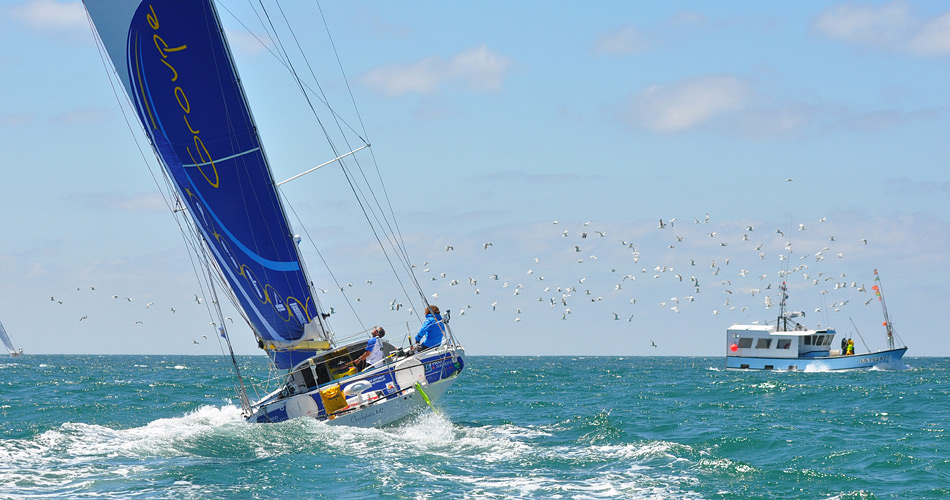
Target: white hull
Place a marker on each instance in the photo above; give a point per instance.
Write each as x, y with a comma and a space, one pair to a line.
387, 412
393, 391
853, 362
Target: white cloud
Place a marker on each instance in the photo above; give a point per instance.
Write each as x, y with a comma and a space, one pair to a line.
689, 103
247, 43
479, 69
891, 27
82, 116
17, 120
623, 41
51, 15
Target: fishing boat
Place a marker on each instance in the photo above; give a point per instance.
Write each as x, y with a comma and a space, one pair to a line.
5, 338
788, 345
176, 67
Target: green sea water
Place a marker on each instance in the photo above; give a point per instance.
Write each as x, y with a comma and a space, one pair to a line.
147, 427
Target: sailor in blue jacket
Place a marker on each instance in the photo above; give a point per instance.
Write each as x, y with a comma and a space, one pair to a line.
431, 330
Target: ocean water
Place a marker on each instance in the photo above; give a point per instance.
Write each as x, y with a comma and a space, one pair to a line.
150, 427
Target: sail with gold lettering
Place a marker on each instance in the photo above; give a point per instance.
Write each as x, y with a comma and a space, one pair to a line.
177, 70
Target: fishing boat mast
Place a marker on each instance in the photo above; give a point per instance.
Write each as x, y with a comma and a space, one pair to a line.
781, 324
879, 290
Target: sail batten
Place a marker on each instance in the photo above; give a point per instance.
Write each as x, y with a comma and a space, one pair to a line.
176, 68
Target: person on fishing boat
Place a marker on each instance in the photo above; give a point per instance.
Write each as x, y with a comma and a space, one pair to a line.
430, 335
374, 350
844, 345
850, 347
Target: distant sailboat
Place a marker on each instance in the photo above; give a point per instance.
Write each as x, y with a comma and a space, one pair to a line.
5, 338
175, 65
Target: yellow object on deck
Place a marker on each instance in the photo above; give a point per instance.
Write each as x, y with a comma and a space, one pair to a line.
333, 398
339, 373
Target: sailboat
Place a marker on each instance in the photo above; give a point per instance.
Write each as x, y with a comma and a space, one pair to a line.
175, 65
5, 338
789, 345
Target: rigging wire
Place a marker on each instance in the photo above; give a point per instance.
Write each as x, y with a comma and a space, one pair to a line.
361, 197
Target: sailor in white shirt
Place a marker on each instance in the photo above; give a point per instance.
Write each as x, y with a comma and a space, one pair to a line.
374, 349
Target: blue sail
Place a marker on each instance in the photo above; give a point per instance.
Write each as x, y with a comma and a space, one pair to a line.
174, 63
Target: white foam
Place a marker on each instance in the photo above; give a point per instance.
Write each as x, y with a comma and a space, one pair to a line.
817, 367
891, 365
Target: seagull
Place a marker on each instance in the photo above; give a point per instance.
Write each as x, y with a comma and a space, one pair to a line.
137, 323
789, 179
172, 309
150, 304
449, 247
652, 343
82, 318
487, 245
197, 299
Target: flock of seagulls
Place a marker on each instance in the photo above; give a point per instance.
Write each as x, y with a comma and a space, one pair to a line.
598, 271
127, 300
742, 272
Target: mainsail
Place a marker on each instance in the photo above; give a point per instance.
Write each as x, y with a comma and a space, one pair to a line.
176, 68
6, 340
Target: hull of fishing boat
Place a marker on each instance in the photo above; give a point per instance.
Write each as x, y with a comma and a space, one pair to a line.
889, 357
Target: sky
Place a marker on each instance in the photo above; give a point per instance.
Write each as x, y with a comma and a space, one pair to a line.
765, 136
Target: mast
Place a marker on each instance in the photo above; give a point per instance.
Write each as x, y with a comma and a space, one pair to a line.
879, 291
781, 324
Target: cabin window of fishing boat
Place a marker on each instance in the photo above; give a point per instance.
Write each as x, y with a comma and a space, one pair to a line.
784, 343
763, 344
820, 340
745, 343
808, 340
